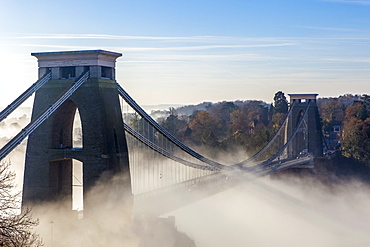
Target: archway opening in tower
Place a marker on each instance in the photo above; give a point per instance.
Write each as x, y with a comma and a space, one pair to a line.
66, 182
77, 137
77, 166
301, 138
77, 185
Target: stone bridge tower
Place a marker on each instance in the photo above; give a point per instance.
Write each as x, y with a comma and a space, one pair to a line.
48, 168
309, 136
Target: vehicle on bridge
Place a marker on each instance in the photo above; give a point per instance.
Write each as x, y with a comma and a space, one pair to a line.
303, 153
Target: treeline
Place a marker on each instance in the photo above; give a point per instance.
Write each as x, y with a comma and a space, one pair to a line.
249, 125
228, 125
352, 114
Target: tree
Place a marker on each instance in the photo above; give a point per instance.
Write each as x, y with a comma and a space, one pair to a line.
248, 125
366, 99
15, 229
221, 112
239, 122
356, 132
280, 103
277, 120
175, 124
205, 129
354, 111
331, 112
356, 139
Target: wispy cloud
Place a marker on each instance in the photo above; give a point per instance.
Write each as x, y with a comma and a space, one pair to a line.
357, 2
217, 57
351, 59
329, 28
227, 41
64, 47
168, 48
155, 38
205, 47
113, 37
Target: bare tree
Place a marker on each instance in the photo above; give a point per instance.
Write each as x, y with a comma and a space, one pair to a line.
15, 226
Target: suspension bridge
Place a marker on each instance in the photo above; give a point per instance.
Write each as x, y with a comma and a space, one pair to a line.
119, 137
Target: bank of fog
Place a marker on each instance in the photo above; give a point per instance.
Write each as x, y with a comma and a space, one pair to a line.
109, 221
259, 212
285, 212
10, 127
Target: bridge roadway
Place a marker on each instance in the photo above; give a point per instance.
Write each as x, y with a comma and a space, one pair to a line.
263, 170
164, 200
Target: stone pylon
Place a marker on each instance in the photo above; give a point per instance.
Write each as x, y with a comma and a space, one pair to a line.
48, 174
309, 137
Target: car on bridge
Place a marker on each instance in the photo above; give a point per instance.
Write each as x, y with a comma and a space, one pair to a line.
303, 153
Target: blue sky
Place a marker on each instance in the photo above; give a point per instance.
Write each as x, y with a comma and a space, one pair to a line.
187, 52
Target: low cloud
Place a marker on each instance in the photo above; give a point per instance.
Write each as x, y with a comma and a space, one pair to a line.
109, 222
288, 212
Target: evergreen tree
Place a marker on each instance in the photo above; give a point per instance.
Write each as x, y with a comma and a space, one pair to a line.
280, 103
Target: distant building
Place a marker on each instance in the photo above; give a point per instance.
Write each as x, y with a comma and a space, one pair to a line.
337, 129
